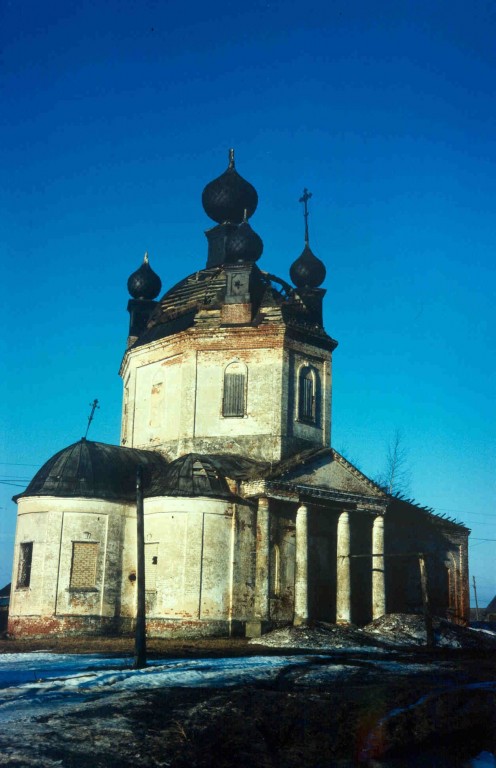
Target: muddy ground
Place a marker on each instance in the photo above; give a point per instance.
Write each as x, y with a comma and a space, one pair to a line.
285, 723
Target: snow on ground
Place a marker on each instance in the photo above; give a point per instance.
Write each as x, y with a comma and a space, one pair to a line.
393, 631
39, 682
319, 637
33, 684
42, 691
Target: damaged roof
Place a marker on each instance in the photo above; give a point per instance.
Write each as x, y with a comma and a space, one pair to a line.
101, 471
272, 298
97, 470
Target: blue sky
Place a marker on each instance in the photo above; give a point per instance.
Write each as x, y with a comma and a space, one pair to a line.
114, 117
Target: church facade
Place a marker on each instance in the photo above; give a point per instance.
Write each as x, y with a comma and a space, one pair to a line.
252, 519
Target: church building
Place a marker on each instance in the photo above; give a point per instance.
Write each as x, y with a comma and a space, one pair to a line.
252, 520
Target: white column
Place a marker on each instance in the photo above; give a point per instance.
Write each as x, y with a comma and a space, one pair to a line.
301, 567
343, 580
262, 561
378, 580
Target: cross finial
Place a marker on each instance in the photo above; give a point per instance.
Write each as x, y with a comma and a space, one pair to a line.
145, 260
94, 406
304, 199
231, 158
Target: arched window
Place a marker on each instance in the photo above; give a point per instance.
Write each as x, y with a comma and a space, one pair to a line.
234, 395
307, 394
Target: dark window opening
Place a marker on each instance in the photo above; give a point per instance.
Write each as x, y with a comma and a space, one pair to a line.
204, 471
233, 402
24, 568
307, 406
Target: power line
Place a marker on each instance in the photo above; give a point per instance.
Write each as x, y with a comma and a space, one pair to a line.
476, 538
17, 464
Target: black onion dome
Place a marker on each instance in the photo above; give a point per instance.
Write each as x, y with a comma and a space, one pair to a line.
144, 283
229, 196
307, 271
194, 475
97, 470
243, 244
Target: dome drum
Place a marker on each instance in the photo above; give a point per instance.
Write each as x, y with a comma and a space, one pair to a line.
140, 311
217, 238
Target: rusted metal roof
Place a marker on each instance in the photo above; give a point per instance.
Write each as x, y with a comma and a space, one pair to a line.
100, 471
97, 470
195, 475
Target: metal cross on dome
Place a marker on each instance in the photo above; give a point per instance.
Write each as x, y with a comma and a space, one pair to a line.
94, 406
304, 199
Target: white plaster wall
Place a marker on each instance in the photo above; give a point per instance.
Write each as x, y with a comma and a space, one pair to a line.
52, 524
193, 578
264, 389
189, 372
194, 537
156, 408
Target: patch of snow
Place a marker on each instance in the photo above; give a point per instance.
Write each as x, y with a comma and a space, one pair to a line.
60, 680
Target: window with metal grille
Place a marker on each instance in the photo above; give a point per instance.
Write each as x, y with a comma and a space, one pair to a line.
307, 397
83, 567
24, 567
233, 401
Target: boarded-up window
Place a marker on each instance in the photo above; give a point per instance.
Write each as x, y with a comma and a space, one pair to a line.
233, 401
307, 394
24, 568
151, 562
84, 562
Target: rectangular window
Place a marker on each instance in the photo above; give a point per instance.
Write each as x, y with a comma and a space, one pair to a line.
234, 394
84, 562
151, 562
24, 568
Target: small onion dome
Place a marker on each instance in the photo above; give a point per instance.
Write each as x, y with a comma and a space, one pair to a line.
227, 197
144, 283
243, 244
307, 271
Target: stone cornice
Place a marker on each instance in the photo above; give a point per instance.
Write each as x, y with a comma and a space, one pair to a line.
297, 492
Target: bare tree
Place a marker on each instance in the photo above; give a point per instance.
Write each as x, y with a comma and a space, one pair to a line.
396, 475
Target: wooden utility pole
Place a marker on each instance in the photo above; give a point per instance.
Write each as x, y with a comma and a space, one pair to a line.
140, 636
476, 603
429, 630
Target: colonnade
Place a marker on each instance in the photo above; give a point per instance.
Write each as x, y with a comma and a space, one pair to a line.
343, 566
